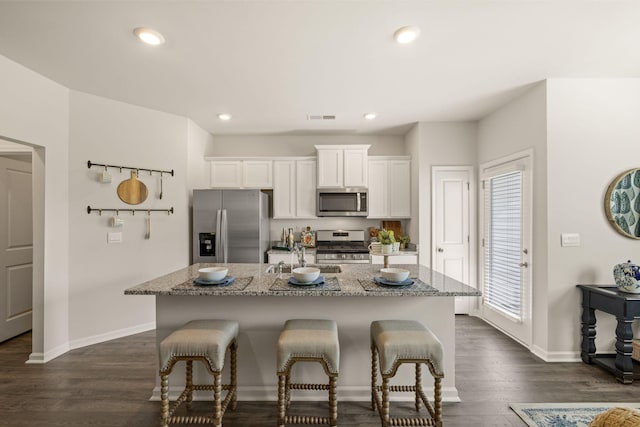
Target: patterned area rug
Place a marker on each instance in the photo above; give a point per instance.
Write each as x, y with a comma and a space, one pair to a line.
563, 414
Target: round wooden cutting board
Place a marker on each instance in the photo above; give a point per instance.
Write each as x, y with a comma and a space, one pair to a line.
132, 191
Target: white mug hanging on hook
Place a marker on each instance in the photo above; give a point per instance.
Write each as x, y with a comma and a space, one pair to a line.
105, 176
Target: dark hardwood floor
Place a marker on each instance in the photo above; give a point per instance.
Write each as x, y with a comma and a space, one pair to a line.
108, 384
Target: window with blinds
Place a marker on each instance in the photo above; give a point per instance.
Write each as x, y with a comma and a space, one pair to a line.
503, 243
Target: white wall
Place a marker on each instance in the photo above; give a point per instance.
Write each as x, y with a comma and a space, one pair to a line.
519, 125
593, 136
34, 110
111, 132
300, 145
434, 144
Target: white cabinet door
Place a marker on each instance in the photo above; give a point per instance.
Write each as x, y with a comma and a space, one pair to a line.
226, 174
287, 257
399, 189
396, 259
355, 168
305, 189
257, 174
378, 185
330, 168
284, 189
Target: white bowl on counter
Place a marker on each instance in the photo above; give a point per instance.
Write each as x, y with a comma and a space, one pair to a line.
394, 274
306, 274
213, 274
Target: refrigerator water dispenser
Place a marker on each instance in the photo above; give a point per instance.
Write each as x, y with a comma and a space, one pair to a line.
207, 244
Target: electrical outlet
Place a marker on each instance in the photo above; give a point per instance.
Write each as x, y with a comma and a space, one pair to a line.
114, 237
570, 239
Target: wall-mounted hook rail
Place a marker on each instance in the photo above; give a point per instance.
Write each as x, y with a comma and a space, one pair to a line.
133, 211
151, 171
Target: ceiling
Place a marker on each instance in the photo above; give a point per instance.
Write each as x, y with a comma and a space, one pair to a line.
271, 62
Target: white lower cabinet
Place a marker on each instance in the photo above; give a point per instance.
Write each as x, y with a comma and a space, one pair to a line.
395, 259
290, 258
294, 189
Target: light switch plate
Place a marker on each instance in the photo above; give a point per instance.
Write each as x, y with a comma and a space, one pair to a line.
114, 237
570, 239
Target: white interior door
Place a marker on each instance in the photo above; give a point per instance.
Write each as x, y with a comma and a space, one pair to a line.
506, 245
16, 247
451, 201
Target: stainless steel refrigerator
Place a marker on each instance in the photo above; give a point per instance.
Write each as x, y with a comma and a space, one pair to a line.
230, 226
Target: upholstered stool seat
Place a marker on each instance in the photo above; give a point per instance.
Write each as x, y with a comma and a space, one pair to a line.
394, 342
307, 340
207, 341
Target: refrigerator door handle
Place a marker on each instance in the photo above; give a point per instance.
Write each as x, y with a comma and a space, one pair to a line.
225, 244
218, 235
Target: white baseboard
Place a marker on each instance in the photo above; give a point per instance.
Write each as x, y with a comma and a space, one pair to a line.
111, 335
345, 394
39, 358
556, 356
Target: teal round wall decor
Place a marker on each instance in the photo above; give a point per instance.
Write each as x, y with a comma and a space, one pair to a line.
622, 203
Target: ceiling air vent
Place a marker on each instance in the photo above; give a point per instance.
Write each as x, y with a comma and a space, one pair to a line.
321, 117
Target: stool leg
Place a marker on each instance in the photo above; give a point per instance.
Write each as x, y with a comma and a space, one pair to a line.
281, 400
385, 401
234, 376
418, 385
287, 390
217, 407
333, 401
189, 382
374, 376
164, 397
437, 400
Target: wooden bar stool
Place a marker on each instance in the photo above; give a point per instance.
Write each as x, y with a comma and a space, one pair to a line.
207, 341
395, 342
308, 340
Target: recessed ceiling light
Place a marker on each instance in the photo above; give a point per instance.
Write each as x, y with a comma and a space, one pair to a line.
370, 116
224, 116
407, 34
149, 36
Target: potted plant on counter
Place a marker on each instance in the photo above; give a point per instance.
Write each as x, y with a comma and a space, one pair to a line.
386, 241
404, 241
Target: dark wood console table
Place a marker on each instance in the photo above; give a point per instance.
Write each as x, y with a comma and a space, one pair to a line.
625, 307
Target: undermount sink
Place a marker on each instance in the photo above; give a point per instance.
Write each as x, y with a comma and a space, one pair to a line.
323, 268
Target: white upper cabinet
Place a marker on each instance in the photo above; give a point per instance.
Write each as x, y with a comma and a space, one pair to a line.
355, 168
342, 166
232, 173
294, 188
306, 188
284, 188
399, 188
226, 174
378, 187
389, 187
257, 174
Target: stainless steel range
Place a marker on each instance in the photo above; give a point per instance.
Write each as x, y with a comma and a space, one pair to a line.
341, 246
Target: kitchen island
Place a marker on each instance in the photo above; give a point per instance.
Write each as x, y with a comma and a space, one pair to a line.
262, 301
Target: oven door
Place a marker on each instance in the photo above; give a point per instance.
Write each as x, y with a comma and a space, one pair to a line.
337, 258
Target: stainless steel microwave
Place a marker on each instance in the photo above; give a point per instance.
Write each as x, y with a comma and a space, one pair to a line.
342, 202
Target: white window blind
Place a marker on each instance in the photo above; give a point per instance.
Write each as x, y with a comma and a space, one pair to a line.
503, 234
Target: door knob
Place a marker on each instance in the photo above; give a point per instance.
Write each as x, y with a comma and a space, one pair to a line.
524, 264
440, 250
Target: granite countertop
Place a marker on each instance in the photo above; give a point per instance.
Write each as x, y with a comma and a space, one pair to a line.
354, 280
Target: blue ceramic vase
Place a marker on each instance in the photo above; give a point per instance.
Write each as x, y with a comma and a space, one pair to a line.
627, 276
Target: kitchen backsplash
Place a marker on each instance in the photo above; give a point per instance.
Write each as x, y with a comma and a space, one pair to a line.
322, 224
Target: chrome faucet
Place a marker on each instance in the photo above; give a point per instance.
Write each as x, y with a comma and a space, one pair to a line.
299, 250
280, 265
